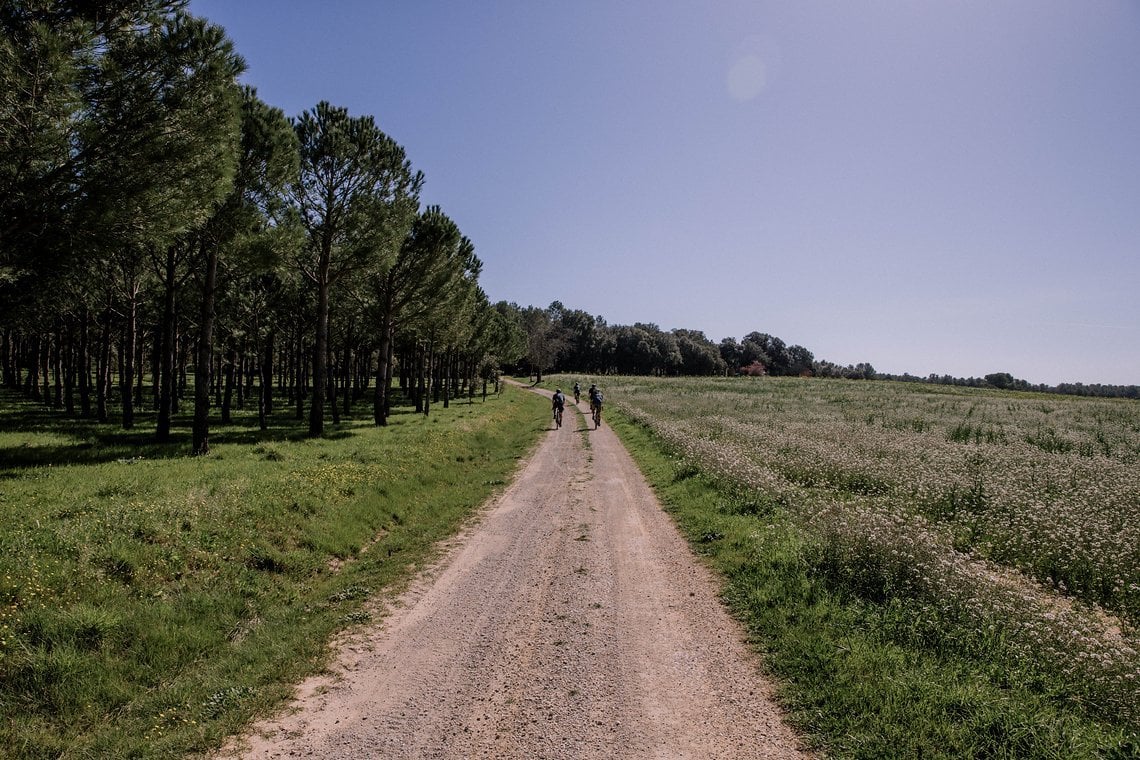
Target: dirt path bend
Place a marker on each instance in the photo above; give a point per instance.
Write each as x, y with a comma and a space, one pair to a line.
570, 622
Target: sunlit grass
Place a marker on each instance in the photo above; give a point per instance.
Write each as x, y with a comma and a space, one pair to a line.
151, 602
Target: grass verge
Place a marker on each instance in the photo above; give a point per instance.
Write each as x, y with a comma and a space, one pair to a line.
152, 604
859, 679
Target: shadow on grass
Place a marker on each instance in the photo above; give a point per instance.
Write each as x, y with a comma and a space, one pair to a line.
97, 442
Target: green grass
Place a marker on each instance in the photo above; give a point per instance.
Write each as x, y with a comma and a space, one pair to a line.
862, 678
152, 603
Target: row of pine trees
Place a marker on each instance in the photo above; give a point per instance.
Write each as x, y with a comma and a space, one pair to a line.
168, 238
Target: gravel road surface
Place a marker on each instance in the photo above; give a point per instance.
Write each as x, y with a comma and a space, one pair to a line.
570, 621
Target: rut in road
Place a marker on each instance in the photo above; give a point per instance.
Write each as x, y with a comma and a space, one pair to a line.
571, 621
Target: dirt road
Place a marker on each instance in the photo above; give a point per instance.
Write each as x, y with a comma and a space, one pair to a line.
570, 622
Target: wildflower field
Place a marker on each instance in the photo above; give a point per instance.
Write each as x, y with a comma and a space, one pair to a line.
991, 536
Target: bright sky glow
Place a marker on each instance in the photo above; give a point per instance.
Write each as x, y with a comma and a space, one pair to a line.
931, 187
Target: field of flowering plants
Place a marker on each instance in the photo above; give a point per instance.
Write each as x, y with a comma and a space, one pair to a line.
1002, 522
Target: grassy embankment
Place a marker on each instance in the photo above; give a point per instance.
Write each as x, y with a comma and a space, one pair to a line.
930, 572
151, 603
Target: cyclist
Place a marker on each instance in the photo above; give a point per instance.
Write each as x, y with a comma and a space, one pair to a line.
577, 392
558, 403
596, 404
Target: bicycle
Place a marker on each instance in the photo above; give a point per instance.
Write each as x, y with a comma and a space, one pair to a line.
577, 395
596, 408
557, 418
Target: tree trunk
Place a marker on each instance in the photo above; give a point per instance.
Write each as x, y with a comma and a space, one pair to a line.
387, 380
201, 438
251, 366
268, 369
362, 374
183, 357
216, 377
128, 377
383, 373
239, 375
426, 377
228, 393
299, 398
69, 372
284, 368
103, 368
13, 354
436, 373
417, 380
330, 380
320, 358
44, 360
471, 368
265, 397
57, 366
166, 353
32, 386
6, 358
156, 369
17, 360
140, 373
120, 365
347, 375
445, 378
84, 361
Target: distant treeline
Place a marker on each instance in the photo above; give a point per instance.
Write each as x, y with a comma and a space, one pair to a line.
560, 339
1006, 381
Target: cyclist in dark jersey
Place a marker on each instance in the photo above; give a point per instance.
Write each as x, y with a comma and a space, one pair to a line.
557, 404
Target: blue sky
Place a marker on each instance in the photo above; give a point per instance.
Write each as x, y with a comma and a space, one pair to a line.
946, 187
